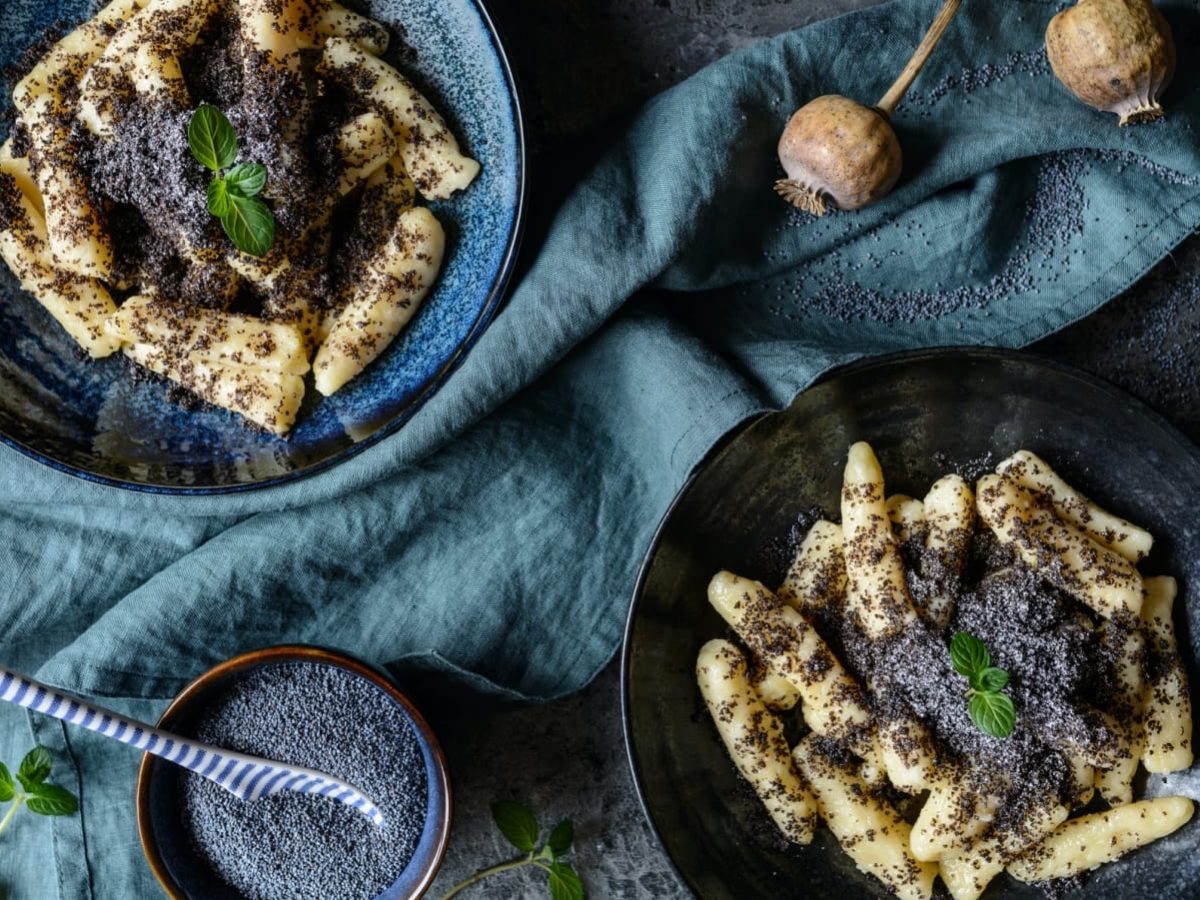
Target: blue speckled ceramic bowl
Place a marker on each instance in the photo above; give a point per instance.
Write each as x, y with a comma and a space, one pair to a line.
90, 419
166, 844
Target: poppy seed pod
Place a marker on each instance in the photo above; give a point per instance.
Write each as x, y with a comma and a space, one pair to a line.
837, 152
1115, 55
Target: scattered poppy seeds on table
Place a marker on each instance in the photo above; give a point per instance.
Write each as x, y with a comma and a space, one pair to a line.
293, 845
1144, 340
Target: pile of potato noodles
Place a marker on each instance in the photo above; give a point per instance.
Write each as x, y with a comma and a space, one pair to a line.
837, 771
54, 236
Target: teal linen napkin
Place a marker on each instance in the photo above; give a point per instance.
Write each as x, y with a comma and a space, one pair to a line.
498, 534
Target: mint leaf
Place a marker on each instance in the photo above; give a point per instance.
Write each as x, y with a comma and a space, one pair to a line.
991, 679
8, 788
992, 713
565, 883
968, 655
212, 139
233, 198
35, 768
517, 824
218, 198
247, 179
520, 826
561, 838
51, 800
250, 225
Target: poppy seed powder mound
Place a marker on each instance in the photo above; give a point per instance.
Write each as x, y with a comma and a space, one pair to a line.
299, 846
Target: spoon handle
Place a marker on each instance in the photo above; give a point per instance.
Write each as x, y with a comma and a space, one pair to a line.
248, 777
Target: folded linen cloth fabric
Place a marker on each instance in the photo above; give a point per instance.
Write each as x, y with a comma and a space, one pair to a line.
499, 532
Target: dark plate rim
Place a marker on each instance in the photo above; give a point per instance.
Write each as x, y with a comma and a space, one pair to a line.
491, 306
967, 353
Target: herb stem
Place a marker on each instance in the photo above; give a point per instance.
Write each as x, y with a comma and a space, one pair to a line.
12, 811
518, 863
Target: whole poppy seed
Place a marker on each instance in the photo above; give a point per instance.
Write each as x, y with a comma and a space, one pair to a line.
1125, 158
292, 845
969, 81
1143, 341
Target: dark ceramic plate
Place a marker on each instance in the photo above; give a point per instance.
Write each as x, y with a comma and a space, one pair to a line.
923, 413
90, 419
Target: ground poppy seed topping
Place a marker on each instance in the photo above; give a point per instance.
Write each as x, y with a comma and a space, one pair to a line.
967, 682
257, 160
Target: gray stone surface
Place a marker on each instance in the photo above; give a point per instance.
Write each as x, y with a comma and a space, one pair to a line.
564, 760
585, 65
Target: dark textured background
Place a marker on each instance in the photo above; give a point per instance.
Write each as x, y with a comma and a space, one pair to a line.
584, 67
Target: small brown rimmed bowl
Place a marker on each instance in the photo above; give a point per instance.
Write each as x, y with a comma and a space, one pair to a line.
166, 846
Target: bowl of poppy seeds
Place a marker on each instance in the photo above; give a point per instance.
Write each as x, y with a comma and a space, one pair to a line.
309, 707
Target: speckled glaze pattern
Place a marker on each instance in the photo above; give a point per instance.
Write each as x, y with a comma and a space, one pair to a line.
924, 413
91, 419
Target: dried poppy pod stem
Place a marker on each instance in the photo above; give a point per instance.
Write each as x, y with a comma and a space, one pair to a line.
1115, 55
837, 151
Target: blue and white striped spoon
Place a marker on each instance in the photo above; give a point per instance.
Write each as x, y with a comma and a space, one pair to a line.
247, 777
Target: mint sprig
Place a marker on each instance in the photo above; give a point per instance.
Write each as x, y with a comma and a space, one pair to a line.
31, 790
991, 711
233, 194
520, 828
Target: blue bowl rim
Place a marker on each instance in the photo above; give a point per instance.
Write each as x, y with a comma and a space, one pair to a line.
967, 352
284, 653
432, 386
